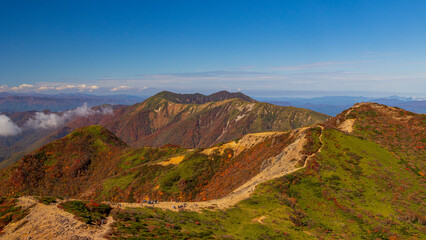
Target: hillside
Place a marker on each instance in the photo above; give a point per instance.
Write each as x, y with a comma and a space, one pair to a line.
188, 120
345, 179
65, 166
195, 120
40, 128
92, 163
398, 130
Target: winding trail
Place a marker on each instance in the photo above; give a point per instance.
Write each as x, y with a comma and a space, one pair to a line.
284, 163
50, 222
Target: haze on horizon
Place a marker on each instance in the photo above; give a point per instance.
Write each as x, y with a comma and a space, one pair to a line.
262, 48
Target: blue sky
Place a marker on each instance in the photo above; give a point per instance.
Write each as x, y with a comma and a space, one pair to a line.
265, 48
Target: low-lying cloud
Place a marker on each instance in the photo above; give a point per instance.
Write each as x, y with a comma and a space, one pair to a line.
52, 87
43, 120
54, 120
7, 127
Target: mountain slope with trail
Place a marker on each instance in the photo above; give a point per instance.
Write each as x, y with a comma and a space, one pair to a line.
338, 180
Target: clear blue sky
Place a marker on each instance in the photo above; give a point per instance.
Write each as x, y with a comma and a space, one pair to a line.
260, 47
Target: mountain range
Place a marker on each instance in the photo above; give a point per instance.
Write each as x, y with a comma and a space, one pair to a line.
330, 105
187, 120
359, 175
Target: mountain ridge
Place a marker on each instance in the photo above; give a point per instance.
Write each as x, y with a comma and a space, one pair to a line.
158, 121
329, 175
190, 120
197, 98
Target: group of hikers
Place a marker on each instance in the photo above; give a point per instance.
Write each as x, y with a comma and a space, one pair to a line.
150, 201
180, 206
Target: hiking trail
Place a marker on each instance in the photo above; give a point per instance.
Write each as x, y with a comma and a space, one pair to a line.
280, 165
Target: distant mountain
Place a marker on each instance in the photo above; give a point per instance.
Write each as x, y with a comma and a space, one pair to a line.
195, 120
200, 98
333, 105
60, 102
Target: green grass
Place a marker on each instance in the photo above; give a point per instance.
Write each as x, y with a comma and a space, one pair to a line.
91, 213
47, 200
136, 157
100, 145
190, 175
347, 190
187, 170
353, 189
119, 182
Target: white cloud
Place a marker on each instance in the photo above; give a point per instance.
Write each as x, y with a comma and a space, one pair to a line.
120, 88
42, 120
7, 127
45, 88
80, 88
4, 88
22, 87
53, 120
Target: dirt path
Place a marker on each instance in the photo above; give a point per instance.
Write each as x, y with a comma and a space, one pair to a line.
50, 222
284, 163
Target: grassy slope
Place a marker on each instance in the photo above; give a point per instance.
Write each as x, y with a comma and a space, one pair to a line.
197, 177
65, 166
354, 189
